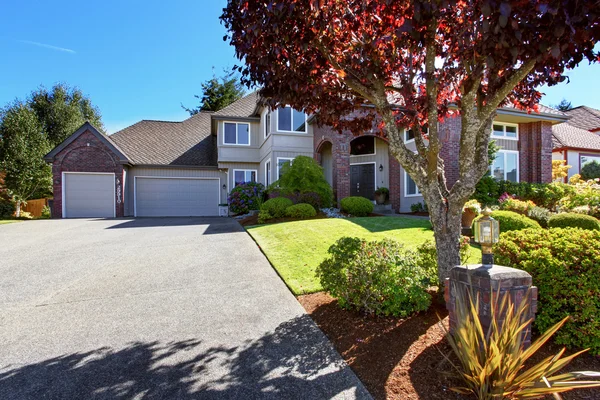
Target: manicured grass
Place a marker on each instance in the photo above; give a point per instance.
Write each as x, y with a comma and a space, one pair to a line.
8, 221
295, 249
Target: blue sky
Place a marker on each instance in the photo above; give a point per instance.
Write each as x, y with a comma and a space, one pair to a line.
141, 60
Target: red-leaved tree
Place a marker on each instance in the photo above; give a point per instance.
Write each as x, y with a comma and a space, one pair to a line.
398, 63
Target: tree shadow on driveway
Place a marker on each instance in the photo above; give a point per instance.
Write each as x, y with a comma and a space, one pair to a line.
294, 361
214, 225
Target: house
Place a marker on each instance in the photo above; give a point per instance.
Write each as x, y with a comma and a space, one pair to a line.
577, 141
158, 168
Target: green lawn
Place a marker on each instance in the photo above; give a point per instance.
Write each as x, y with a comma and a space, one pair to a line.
8, 221
295, 249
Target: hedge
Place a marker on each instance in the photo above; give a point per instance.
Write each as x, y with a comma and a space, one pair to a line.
301, 211
357, 206
574, 220
511, 221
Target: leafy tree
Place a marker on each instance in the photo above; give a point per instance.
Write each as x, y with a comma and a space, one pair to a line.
560, 170
62, 110
590, 170
564, 105
22, 149
218, 93
415, 63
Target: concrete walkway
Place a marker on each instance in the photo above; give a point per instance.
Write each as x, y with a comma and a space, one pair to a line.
154, 309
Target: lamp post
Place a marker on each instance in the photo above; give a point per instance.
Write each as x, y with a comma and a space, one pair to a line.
486, 230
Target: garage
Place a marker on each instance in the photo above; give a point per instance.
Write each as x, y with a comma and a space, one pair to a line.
176, 197
88, 195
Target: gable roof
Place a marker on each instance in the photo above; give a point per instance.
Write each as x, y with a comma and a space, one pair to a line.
584, 117
101, 136
246, 107
566, 135
185, 143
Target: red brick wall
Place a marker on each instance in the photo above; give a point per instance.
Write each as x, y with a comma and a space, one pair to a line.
86, 154
535, 152
340, 149
394, 167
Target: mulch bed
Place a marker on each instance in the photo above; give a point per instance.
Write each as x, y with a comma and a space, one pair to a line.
401, 359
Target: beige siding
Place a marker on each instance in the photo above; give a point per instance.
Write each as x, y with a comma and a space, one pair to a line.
507, 144
406, 202
381, 157
240, 153
170, 173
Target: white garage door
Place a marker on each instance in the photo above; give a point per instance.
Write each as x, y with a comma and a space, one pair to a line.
176, 197
89, 195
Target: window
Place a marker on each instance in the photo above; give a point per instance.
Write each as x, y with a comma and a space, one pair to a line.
267, 123
506, 166
362, 146
280, 163
409, 134
236, 133
586, 159
290, 120
243, 175
410, 187
268, 173
505, 130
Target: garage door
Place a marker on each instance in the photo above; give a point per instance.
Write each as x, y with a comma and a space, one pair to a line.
176, 197
89, 195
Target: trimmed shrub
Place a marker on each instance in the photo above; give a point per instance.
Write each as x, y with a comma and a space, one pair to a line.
547, 195
573, 220
516, 205
418, 207
540, 214
357, 206
276, 207
511, 221
590, 171
565, 265
304, 175
381, 278
301, 211
245, 197
585, 194
7, 208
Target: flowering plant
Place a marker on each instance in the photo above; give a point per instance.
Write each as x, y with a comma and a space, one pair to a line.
245, 197
472, 205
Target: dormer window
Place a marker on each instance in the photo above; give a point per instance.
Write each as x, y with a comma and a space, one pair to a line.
290, 120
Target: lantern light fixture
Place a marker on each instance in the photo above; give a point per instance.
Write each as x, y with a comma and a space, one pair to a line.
487, 231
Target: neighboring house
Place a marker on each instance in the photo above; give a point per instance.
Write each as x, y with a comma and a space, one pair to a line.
577, 141
156, 168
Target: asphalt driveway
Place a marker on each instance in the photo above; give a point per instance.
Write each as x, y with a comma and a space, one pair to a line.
154, 309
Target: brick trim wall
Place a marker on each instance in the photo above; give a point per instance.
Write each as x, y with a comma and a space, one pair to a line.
87, 154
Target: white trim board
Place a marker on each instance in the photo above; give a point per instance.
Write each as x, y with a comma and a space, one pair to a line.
419, 194
170, 177
291, 160
63, 185
236, 133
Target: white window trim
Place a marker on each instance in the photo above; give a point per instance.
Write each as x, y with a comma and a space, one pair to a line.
418, 194
170, 177
237, 133
504, 152
63, 191
505, 124
291, 160
296, 132
267, 127
366, 155
404, 137
267, 170
245, 170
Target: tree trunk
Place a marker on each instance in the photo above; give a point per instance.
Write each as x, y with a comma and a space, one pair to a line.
18, 209
447, 230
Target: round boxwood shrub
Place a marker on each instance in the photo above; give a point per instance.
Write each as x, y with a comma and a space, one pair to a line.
301, 211
276, 207
357, 206
565, 266
574, 220
381, 278
511, 221
245, 197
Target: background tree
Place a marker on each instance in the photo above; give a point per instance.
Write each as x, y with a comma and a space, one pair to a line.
30, 129
415, 63
22, 149
218, 93
590, 170
564, 105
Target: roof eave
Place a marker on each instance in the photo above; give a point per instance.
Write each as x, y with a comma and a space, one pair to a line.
537, 116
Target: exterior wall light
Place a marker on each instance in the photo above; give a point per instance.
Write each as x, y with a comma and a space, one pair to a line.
487, 232
380, 167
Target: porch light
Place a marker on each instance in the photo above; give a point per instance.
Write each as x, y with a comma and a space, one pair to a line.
487, 231
224, 187
380, 167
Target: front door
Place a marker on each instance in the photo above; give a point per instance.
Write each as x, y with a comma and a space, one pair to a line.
362, 180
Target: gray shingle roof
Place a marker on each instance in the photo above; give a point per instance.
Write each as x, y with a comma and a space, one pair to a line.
186, 143
584, 117
243, 108
567, 135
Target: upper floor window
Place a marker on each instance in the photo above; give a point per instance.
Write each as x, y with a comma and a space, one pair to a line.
267, 123
236, 133
362, 146
409, 134
242, 176
290, 120
505, 130
506, 166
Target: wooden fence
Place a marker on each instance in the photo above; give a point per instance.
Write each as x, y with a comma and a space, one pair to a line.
35, 207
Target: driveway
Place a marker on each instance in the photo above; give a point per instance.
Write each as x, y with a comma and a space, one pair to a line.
154, 309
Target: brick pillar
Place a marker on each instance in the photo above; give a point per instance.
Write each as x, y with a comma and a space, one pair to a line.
486, 283
546, 152
341, 160
394, 167
535, 152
